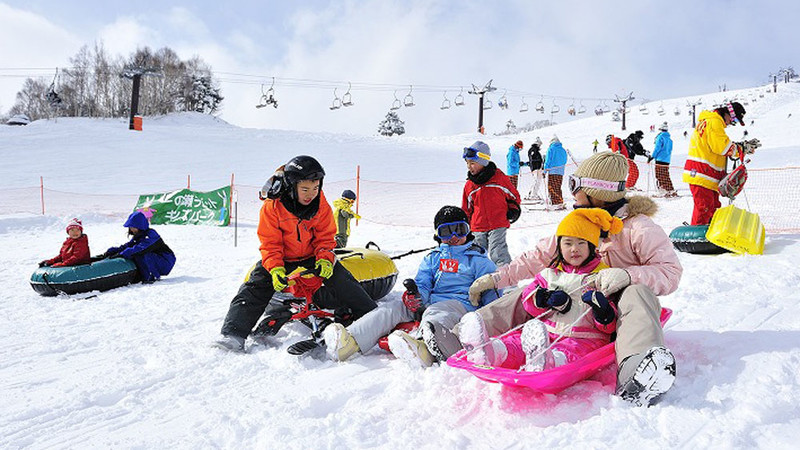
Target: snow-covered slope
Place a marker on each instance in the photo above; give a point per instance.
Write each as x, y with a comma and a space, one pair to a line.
133, 368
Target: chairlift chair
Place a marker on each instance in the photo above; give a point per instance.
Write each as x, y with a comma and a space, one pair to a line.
459, 100
337, 102
540, 106
524, 106
396, 103
555, 109
445, 102
598, 110
347, 99
643, 109
660, 110
581, 109
268, 97
606, 108
571, 110
503, 102
408, 100
487, 104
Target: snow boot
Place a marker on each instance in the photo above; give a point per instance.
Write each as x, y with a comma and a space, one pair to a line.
534, 339
475, 339
644, 377
441, 342
340, 344
413, 351
230, 342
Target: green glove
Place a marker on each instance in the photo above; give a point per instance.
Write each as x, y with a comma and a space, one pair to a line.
325, 268
279, 281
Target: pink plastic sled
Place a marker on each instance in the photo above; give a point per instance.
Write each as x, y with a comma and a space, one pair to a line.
550, 381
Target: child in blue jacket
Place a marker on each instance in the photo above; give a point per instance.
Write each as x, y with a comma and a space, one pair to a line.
443, 281
152, 256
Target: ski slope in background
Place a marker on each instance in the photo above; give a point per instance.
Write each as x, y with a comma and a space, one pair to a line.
133, 367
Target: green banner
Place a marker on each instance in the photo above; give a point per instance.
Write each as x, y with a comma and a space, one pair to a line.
186, 207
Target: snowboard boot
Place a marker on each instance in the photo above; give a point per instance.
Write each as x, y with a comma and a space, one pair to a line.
230, 342
475, 339
412, 351
441, 342
340, 345
644, 377
534, 339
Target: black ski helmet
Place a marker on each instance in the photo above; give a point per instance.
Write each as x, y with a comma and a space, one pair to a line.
300, 168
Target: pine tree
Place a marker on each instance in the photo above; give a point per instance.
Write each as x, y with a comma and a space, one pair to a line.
391, 125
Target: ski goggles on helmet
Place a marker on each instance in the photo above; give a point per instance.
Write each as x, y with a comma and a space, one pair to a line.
446, 231
471, 153
576, 183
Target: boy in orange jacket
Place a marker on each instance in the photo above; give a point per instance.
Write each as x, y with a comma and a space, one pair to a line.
296, 229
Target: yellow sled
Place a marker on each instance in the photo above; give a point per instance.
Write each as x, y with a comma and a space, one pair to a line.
737, 230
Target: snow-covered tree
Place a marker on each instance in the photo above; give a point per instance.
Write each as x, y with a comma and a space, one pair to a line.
199, 94
391, 125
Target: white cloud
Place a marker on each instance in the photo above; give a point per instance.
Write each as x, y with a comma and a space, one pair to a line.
30, 41
126, 34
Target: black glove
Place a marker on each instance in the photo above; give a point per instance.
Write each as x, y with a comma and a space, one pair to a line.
557, 300
513, 213
44, 264
602, 310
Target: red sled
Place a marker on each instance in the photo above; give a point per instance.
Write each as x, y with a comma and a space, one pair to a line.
550, 381
408, 327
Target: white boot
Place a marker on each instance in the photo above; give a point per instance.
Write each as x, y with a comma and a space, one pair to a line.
340, 345
480, 349
534, 339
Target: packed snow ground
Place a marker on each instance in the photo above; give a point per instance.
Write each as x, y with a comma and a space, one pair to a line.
133, 367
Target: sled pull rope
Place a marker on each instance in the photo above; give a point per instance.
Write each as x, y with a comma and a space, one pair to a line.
586, 282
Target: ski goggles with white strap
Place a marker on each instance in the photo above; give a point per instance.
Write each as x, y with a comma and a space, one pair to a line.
576, 183
446, 231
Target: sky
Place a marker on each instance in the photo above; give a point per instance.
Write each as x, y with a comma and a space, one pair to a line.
569, 52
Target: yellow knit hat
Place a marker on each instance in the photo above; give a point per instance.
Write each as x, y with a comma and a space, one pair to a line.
586, 223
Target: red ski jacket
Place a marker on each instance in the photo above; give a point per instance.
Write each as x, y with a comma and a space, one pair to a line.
487, 203
74, 252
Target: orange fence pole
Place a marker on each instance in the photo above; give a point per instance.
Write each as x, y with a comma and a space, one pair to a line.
189, 181
41, 190
358, 188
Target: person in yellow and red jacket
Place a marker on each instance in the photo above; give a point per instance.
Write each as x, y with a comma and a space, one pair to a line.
296, 229
706, 164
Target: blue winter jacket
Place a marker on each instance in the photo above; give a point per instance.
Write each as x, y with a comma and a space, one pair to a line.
663, 151
513, 160
152, 256
447, 273
556, 159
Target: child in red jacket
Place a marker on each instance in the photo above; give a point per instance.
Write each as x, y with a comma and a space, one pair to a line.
490, 201
74, 251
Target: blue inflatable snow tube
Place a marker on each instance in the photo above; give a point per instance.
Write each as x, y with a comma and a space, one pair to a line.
692, 239
98, 276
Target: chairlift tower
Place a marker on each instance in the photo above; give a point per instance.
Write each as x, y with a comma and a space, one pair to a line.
480, 92
135, 74
624, 101
693, 105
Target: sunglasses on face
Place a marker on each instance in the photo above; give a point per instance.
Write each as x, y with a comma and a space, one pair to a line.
446, 231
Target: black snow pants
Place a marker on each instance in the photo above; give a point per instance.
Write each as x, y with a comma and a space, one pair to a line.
340, 290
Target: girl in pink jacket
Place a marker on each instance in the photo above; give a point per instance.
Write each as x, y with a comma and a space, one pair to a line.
563, 296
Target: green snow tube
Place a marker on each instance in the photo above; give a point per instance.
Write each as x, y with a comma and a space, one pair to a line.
692, 239
98, 276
